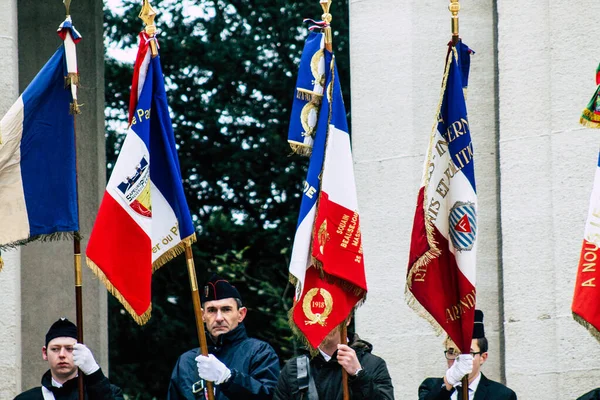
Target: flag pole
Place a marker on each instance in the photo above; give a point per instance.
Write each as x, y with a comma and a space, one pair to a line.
147, 14
189, 256
72, 80
327, 17
454, 8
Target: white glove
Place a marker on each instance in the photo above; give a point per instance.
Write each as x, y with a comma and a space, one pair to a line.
84, 359
463, 365
211, 369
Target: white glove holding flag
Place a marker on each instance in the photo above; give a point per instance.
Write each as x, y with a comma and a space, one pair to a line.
211, 369
463, 365
84, 359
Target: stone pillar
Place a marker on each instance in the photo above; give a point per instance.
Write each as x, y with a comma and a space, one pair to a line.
10, 277
547, 164
47, 278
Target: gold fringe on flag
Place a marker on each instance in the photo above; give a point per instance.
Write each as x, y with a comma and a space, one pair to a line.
433, 251
300, 148
591, 328
174, 252
1, 263
589, 119
140, 319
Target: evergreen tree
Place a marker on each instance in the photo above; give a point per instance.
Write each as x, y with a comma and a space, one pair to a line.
230, 67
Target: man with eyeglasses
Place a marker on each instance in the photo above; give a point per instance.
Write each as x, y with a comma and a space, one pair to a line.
459, 365
240, 367
65, 356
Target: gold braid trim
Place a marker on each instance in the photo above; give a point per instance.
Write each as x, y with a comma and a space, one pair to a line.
1, 263
591, 328
174, 252
433, 251
300, 148
51, 237
413, 303
140, 319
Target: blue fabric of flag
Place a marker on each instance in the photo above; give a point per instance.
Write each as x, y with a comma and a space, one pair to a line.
318, 153
338, 111
305, 80
453, 125
48, 152
159, 138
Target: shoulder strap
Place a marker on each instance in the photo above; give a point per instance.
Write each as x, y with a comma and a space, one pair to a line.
305, 379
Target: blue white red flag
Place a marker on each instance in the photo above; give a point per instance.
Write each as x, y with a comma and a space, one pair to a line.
143, 220
440, 282
327, 263
38, 195
586, 299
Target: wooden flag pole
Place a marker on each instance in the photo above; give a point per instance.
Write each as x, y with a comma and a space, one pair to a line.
344, 340
72, 79
198, 311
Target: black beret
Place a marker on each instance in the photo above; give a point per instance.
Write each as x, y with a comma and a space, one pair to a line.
478, 331
61, 328
218, 288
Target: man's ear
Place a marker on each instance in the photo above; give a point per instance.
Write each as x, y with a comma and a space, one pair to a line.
44, 353
484, 357
243, 311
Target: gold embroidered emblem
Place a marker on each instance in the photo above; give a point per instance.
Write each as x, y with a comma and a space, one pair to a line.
317, 318
323, 237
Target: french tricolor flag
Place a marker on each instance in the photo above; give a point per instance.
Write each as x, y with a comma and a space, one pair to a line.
586, 299
38, 195
440, 282
143, 220
327, 261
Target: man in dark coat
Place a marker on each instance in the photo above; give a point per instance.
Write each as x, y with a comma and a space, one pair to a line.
591, 395
240, 367
459, 365
368, 376
65, 355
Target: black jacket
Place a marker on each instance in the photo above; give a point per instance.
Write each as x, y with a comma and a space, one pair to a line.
373, 382
431, 389
97, 387
591, 395
253, 363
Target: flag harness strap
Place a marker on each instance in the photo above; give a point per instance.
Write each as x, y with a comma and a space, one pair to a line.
305, 379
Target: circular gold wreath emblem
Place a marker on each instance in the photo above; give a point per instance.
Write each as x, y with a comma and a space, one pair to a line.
317, 318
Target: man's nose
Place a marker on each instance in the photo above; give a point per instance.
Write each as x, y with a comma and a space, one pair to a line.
63, 352
219, 316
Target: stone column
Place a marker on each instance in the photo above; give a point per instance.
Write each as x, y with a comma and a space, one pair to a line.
10, 277
47, 279
547, 164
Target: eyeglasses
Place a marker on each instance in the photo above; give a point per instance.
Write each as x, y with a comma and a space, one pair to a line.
452, 354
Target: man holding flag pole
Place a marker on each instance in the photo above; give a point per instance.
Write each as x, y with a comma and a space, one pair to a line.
327, 264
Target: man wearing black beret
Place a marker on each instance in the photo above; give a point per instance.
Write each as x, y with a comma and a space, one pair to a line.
459, 365
65, 356
240, 367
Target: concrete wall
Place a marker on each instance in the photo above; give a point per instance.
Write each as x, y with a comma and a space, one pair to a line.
10, 277
530, 78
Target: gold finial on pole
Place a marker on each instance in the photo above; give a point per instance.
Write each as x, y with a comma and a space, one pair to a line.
147, 14
454, 8
326, 4
67, 4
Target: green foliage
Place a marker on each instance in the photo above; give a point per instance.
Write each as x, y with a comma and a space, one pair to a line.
230, 68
